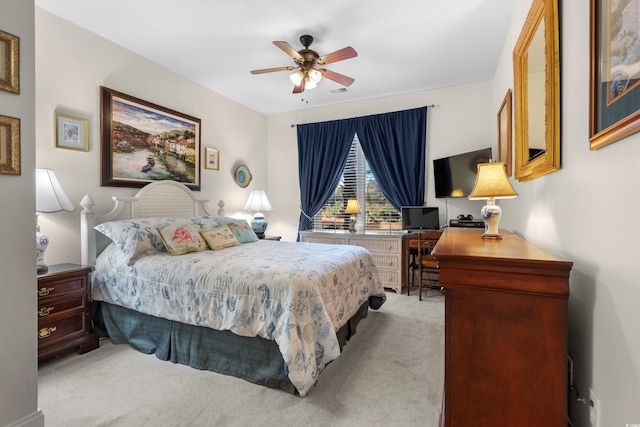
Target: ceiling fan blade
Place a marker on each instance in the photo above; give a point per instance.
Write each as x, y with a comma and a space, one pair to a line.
338, 55
271, 70
299, 88
337, 77
286, 47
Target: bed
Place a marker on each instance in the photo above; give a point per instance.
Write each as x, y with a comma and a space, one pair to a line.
270, 312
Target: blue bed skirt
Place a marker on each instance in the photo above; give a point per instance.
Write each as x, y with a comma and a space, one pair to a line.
254, 359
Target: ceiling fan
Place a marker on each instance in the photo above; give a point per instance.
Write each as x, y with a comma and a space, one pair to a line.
307, 75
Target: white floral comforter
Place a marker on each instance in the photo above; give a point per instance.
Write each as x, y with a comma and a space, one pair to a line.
297, 294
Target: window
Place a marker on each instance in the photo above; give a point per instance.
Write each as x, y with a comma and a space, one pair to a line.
358, 182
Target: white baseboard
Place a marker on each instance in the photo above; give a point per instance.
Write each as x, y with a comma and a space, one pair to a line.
35, 419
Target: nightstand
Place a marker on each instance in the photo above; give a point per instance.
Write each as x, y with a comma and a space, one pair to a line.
64, 317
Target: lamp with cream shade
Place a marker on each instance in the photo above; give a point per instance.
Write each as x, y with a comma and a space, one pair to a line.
353, 209
491, 184
258, 201
50, 197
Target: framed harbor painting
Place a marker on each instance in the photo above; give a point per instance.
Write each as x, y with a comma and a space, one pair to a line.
143, 142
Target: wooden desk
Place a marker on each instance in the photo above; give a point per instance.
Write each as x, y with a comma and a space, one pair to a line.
505, 331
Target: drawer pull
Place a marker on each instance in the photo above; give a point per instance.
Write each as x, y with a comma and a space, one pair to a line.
44, 311
43, 292
390, 263
46, 332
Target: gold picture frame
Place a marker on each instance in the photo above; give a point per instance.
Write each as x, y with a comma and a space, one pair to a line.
9, 62
212, 159
614, 107
504, 132
72, 133
9, 145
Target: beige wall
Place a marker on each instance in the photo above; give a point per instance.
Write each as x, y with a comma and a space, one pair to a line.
18, 306
581, 213
72, 64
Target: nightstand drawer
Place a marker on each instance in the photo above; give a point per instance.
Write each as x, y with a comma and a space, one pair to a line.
55, 306
55, 288
64, 318
51, 332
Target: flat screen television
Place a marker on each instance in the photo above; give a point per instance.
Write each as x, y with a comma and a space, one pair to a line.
420, 218
455, 176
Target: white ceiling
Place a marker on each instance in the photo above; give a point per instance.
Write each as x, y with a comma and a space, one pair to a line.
403, 45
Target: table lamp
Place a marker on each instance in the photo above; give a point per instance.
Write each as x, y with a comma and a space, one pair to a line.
353, 208
258, 201
49, 198
491, 184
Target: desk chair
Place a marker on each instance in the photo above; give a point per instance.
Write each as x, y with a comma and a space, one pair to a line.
427, 263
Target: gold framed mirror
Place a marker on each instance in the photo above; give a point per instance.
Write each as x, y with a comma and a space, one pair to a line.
536, 67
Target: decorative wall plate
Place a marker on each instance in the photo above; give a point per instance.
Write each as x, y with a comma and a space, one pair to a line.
243, 176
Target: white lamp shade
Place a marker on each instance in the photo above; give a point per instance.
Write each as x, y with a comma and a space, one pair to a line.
257, 201
49, 194
296, 77
492, 183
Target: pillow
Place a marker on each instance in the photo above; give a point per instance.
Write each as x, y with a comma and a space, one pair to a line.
182, 239
137, 238
220, 238
239, 227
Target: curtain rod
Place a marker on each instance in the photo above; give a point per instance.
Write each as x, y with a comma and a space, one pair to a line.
428, 106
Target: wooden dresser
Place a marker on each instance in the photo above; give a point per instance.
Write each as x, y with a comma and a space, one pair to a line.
385, 248
505, 331
64, 318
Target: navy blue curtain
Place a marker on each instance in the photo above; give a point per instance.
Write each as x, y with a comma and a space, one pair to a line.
323, 149
394, 145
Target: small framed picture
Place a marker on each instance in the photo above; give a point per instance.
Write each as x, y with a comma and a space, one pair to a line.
9, 145
9, 62
72, 132
212, 157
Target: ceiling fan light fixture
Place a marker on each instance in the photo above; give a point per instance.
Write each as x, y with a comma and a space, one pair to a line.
309, 84
315, 76
297, 77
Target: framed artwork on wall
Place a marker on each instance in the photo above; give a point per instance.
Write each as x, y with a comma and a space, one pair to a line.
504, 132
72, 132
9, 62
9, 145
615, 71
212, 159
143, 142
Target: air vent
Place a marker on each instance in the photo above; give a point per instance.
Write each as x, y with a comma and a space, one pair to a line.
339, 90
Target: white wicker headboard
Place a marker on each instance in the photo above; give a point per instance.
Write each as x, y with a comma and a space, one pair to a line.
158, 199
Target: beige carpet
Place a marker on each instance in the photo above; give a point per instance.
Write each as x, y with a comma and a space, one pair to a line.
390, 374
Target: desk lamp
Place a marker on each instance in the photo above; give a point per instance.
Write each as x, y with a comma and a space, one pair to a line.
353, 209
491, 184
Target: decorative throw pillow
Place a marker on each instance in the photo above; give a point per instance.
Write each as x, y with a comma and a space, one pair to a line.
219, 238
182, 239
137, 238
239, 227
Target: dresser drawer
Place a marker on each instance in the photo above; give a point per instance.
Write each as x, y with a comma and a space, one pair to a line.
389, 246
54, 330
53, 306
385, 261
55, 288
325, 240
389, 278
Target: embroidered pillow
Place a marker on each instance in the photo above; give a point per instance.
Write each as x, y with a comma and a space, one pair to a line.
239, 227
219, 238
182, 239
137, 238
